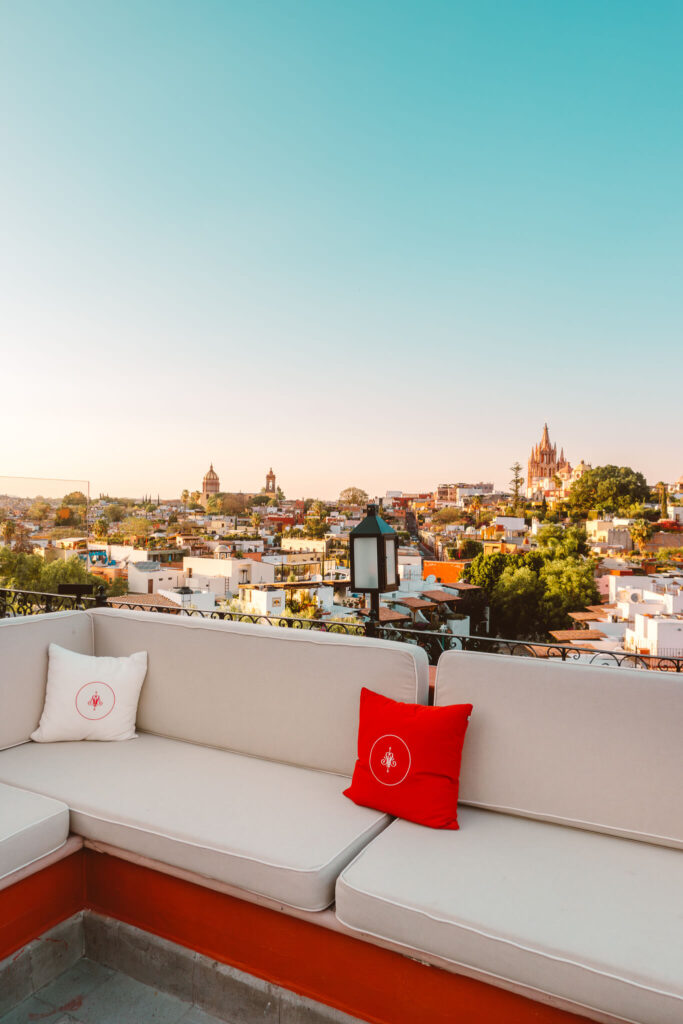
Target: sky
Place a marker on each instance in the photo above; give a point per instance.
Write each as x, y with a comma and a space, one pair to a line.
365, 243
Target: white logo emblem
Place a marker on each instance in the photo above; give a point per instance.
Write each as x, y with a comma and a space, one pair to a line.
390, 760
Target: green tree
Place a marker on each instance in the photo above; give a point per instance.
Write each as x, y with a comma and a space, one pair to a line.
8, 530
353, 496
516, 602
101, 528
114, 513
214, 505
516, 483
608, 489
185, 496
133, 526
39, 511
555, 540
640, 531
663, 502
446, 516
485, 571
74, 498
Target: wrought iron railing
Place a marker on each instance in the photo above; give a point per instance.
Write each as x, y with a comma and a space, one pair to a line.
433, 642
36, 602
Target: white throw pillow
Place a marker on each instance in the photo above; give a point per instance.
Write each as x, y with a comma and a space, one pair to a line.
90, 698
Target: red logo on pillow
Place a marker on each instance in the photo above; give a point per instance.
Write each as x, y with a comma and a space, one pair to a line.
95, 700
409, 759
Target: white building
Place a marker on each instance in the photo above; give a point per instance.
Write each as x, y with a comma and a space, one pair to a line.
611, 532
660, 635
223, 576
185, 597
151, 578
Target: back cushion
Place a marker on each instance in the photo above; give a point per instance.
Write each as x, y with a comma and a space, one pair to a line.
287, 695
23, 666
596, 748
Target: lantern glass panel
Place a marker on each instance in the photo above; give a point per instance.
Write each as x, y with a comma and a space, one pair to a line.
390, 551
365, 568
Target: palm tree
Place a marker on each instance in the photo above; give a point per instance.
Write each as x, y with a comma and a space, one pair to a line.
256, 520
185, 497
476, 505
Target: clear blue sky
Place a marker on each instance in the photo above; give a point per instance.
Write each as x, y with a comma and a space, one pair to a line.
372, 243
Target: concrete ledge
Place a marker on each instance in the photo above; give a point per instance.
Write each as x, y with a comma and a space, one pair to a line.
217, 988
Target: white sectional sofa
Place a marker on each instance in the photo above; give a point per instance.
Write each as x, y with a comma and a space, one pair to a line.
247, 739
565, 881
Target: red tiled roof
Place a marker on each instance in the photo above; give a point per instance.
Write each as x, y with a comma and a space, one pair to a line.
125, 600
415, 602
387, 614
578, 635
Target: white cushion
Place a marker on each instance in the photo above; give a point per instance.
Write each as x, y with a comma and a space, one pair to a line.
23, 666
585, 917
287, 695
597, 748
89, 698
31, 826
278, 830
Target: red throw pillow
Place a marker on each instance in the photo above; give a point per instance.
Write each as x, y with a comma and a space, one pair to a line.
409, 759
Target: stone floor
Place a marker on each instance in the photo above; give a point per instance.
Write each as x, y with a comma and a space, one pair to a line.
92, 994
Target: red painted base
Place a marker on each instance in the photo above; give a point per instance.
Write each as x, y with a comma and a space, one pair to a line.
41, 901
374, 984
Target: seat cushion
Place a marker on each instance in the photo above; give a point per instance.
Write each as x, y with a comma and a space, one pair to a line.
31, 826
593, 919
274, 829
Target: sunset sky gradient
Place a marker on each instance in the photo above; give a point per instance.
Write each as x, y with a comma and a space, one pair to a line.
370, 243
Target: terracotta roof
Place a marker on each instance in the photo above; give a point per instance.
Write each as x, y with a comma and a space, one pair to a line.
440, 596
464, 586
387, 614
578, 635
415, 602
124, 600
586, 616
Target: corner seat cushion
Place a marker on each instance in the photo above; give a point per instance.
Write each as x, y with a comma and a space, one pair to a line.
31, 826
593, 919
277, 830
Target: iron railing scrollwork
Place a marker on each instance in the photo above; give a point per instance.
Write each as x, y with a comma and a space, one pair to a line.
433, 642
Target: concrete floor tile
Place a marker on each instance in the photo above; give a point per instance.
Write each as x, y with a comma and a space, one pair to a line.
32, 1011
196, 1016
76, 983
122, 1000
15, 979
56, 950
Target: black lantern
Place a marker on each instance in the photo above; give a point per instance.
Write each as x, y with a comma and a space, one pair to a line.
374, 560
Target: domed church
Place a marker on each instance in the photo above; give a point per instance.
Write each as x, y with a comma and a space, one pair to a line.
210, 484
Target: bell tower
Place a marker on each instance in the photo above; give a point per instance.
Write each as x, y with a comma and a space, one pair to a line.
270, 482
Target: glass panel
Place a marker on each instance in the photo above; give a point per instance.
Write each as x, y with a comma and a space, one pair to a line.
365, 563
390, 550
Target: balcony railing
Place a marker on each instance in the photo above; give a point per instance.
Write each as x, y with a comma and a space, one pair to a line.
433, 642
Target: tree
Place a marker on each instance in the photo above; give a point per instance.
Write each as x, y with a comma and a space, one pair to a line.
516, 483
114, 513
74, 498
132, 526
39, 511
214, 505
185, 496
555, 540
475, 504
515, 603
195, 497
8, 530
101, 528
233, 504
485, 571
471, 548
663, 503
256, 520
353, 496
640, 531
446, 516
608, 489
